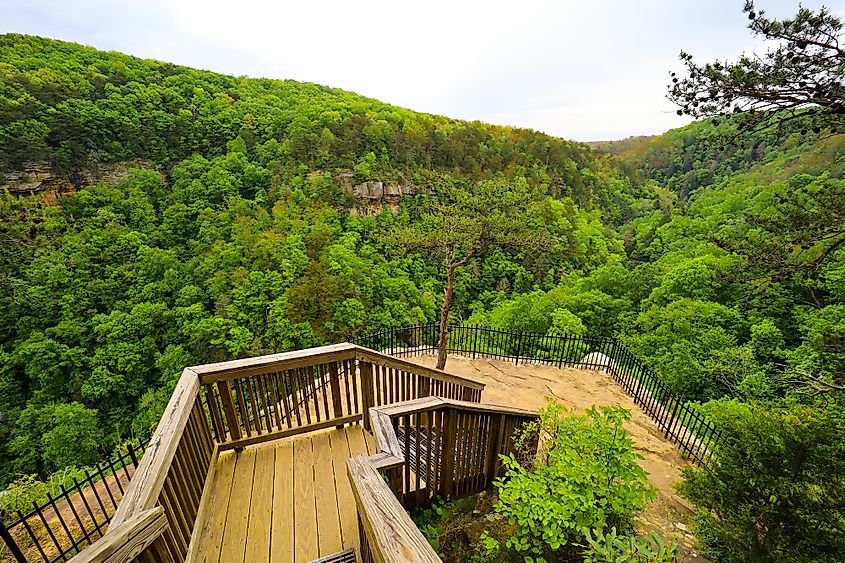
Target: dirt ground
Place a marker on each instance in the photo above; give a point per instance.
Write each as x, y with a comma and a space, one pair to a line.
530, 386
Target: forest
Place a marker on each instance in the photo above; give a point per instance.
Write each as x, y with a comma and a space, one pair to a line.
236, 232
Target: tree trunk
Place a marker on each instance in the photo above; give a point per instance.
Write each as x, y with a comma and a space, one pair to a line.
444, 318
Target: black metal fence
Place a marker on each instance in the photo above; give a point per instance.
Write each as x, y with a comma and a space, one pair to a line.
694, 436
65, 523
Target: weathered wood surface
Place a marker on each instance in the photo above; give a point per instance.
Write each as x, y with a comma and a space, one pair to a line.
242, 403
147, 483
391, 535
126, 541
246, 367
205, 501
427, 447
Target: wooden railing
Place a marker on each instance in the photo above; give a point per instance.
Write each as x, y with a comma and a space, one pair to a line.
172, 473
428, 447
234, 404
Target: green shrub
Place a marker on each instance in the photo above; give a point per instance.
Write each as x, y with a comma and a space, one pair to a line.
613, 548
775, 488
585, 476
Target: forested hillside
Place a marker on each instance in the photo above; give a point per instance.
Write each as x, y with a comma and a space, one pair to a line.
239, 238
722, 266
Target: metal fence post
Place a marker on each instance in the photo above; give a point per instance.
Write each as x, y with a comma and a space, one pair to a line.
10, 543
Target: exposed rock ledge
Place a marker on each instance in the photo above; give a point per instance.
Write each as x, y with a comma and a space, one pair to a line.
38, 177
375, 190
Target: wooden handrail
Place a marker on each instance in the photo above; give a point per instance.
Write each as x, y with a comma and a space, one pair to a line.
429, 403
388, 535
127, 540
222, 371
385, 360
146, 484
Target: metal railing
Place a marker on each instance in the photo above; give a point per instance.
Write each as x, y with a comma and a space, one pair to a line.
693, 435
57, 528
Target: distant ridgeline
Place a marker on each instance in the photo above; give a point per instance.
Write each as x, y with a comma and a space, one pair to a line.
76, 107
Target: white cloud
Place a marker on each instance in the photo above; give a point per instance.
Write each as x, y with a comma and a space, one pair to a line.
582, 70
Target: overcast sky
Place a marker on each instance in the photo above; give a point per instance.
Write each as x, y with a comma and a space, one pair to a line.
584, 70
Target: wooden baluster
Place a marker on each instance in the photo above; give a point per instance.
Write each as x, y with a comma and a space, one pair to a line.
346, 373
325, 387
229, 409
239, 395
303, 389
273, 390
256, 413
334, 380
312, 389
265, 400
289, 397
417, 460
367, 392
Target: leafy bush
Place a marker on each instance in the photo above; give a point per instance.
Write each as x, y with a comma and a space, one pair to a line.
25, 490
775, 488
585, 476
613, 548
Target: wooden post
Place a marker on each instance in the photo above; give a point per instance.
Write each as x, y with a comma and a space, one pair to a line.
448, 479
497, 428
425, 386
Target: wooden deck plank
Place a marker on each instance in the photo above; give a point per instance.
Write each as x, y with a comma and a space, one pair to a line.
325, 487
261, 506
287, 501
357, 442
215, 523
282, 531
372, 446
237, 521
305, 536
339, 443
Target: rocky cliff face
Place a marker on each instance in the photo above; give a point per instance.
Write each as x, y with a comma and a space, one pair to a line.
374, 195
376, 190
39, 178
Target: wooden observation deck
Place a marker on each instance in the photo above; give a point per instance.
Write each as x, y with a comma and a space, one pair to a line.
297, 456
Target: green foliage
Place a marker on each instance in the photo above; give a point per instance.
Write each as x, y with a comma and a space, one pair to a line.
235, 231
799, 77
774, 490
56, 436
612, 548
585, 476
